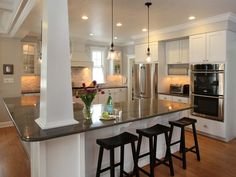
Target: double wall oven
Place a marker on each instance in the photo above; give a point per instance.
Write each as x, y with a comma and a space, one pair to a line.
207, 87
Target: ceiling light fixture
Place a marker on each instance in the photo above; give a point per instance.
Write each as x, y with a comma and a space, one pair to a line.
191, 17
148, 59
84, 17
115, 37
91, 34
144, 29
112, 54
119, 24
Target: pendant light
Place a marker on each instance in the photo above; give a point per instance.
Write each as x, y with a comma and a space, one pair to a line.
148, 59
112, 54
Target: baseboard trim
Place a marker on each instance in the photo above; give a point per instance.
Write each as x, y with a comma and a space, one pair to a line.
6, 124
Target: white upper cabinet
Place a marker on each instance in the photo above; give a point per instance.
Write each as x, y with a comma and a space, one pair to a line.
177, 52
216, 46
141, 52
210, 47
197, 48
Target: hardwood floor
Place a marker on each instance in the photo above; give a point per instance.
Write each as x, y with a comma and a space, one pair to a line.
218, 159
13, 159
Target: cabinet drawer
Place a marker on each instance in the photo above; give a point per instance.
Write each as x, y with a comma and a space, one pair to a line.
165, 97
180, 99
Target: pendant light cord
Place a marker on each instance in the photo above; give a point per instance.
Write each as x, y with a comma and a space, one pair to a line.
112, 45
148, 4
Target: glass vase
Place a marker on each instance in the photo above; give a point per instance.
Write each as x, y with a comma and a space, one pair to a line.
87, 112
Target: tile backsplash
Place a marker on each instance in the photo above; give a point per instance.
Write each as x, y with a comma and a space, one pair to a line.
30, 83
80, 76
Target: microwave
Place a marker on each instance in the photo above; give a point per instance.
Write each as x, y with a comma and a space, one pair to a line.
179, 89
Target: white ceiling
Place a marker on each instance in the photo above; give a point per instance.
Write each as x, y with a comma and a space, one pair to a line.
8, 9
132, 14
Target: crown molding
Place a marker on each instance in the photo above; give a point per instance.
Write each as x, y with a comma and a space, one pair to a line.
214, 19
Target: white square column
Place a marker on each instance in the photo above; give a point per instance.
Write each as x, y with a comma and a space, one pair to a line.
56, 107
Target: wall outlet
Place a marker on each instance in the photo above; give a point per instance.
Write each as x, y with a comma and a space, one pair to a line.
8, 80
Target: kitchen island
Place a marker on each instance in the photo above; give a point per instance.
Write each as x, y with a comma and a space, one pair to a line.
74, 147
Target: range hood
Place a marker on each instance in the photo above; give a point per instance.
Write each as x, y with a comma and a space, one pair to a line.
81, 59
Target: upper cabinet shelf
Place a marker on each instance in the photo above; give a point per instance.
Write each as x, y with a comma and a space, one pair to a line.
177, 51
208, 48
141, 52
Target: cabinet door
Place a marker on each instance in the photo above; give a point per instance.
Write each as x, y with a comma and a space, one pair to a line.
180, 99
197, 48
216, 46
164, 97
154, 51
140, 53
173, 52
184, 51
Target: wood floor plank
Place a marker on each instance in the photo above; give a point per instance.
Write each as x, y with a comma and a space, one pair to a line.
13, 159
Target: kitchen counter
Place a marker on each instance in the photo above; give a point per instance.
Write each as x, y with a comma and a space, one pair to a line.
24, 110
174, 94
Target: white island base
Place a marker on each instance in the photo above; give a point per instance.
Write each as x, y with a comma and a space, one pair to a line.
76, 155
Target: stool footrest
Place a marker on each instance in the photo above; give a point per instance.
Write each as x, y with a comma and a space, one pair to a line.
143, 155
175, 142
108, 168
190, 149
160, 161
144, 171
176, 156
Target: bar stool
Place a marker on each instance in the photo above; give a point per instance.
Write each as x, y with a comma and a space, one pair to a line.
151, 133
182, 123
110, 144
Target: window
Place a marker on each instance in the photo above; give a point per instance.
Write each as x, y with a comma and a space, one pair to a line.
98, 65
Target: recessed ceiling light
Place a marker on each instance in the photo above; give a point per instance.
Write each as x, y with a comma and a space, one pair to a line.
84, 17
119, 24
144, 29
191, 17
91, 34
115, 37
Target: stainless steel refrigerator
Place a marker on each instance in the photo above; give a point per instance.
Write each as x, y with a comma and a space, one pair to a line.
145, 80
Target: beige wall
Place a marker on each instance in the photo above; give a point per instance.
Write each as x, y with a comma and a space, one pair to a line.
10, 53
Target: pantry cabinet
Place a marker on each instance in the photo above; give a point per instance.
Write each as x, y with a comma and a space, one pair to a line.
177, 51
141, 52
210, 47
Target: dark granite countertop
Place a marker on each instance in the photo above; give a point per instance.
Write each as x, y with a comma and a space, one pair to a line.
174, 94
104, 87
24, 110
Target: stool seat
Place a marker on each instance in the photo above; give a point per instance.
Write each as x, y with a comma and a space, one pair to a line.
116, 141
185, 121
154, 130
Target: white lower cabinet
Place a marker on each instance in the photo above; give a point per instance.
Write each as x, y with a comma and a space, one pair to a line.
117, 94
173, 98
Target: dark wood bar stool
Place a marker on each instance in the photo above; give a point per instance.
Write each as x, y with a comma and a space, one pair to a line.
182, 123
112, 143
151, 133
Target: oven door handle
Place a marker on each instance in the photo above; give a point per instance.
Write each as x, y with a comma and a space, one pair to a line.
207, 96
210, 72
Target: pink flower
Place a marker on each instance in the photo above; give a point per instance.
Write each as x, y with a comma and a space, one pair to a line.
102, 92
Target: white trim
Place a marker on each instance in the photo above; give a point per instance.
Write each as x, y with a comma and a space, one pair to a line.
218, 18
49, 125
25, 12
6, 124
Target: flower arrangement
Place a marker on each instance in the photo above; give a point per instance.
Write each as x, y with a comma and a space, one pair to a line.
87, 95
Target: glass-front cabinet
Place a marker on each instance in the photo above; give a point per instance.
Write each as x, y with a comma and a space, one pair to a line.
31, 64
115, 66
